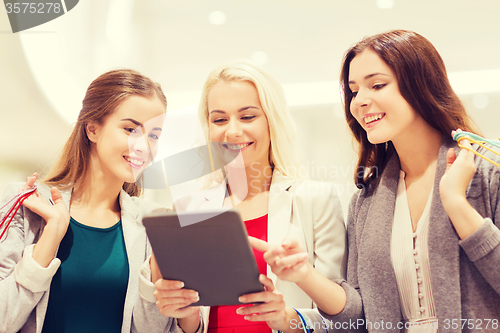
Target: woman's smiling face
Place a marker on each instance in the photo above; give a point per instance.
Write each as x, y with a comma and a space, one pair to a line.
236, 120
127, 140
377, 103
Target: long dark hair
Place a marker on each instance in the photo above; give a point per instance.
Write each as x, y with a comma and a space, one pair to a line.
423, 83
103, 96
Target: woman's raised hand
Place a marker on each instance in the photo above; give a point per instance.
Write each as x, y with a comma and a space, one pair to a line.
459, 172
56, 216
288, 261
452, 189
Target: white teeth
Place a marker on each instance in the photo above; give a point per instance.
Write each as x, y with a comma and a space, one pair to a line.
234, 146
373, 118
134, 161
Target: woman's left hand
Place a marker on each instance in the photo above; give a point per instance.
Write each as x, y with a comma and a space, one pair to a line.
452, 189
459, 172
272, 310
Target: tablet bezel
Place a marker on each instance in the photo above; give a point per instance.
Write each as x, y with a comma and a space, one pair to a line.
213, 256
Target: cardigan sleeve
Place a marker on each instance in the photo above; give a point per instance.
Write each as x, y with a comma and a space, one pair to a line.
352, 316
483, 246
23, 281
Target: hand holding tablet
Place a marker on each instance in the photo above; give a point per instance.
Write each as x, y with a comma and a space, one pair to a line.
212, 257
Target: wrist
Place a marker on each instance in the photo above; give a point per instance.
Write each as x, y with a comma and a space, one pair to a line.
452, 202
306, 277
291, 320
191, 323
465, 219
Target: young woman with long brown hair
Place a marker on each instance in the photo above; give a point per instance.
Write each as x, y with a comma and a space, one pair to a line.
73, 265
423, 230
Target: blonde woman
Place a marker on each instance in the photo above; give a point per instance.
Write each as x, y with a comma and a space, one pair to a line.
244, 109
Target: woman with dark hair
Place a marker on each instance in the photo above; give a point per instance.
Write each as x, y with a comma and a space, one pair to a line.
423, 237
73, 265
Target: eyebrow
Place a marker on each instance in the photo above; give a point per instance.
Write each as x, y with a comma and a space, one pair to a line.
240, 110
369, 76
141, 125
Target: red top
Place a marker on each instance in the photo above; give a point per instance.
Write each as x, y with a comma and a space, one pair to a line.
224, 319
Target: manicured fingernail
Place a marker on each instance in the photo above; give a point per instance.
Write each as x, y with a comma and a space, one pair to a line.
246, 317
242, 299
180, 284
193, 294
238, 311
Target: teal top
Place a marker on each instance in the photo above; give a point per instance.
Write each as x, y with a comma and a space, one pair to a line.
87, 293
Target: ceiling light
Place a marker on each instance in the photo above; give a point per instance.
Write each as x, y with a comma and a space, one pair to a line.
217, 17
384, 4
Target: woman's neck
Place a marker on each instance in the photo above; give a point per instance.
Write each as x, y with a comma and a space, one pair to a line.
250, 181
97, 192
417, 152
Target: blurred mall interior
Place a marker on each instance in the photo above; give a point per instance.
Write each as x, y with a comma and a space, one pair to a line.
44, 71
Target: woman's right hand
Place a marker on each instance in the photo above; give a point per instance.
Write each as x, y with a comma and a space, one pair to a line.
172, 300
56, 216
289, 261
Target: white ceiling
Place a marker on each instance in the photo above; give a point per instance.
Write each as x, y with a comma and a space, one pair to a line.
44, 71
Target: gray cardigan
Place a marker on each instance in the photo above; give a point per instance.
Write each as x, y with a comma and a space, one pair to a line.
25, 285
465, 274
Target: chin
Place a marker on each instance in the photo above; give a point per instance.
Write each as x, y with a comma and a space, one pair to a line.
376, 141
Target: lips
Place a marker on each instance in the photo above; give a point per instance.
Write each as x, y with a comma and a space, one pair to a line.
236, 146
134, 162
372, 118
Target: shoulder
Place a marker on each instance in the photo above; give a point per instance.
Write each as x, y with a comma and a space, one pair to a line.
318, 196
485, 167
12, 189
315, 189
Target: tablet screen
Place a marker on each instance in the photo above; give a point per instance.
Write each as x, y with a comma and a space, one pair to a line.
212, 256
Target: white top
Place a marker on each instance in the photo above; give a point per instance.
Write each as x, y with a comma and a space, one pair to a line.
410, 258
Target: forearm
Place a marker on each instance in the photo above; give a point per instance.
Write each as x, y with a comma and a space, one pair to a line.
466, 220
328, 295
22, 290
46, 248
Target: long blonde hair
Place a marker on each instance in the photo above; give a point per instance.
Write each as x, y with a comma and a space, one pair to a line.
103, 96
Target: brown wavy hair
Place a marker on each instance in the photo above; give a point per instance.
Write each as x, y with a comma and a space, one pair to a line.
103, 97
421, 76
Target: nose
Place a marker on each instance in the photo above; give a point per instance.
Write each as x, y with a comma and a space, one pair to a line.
361, 100
141, 145
233, 129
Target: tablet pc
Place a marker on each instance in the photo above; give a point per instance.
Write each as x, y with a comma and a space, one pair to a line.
212, 256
